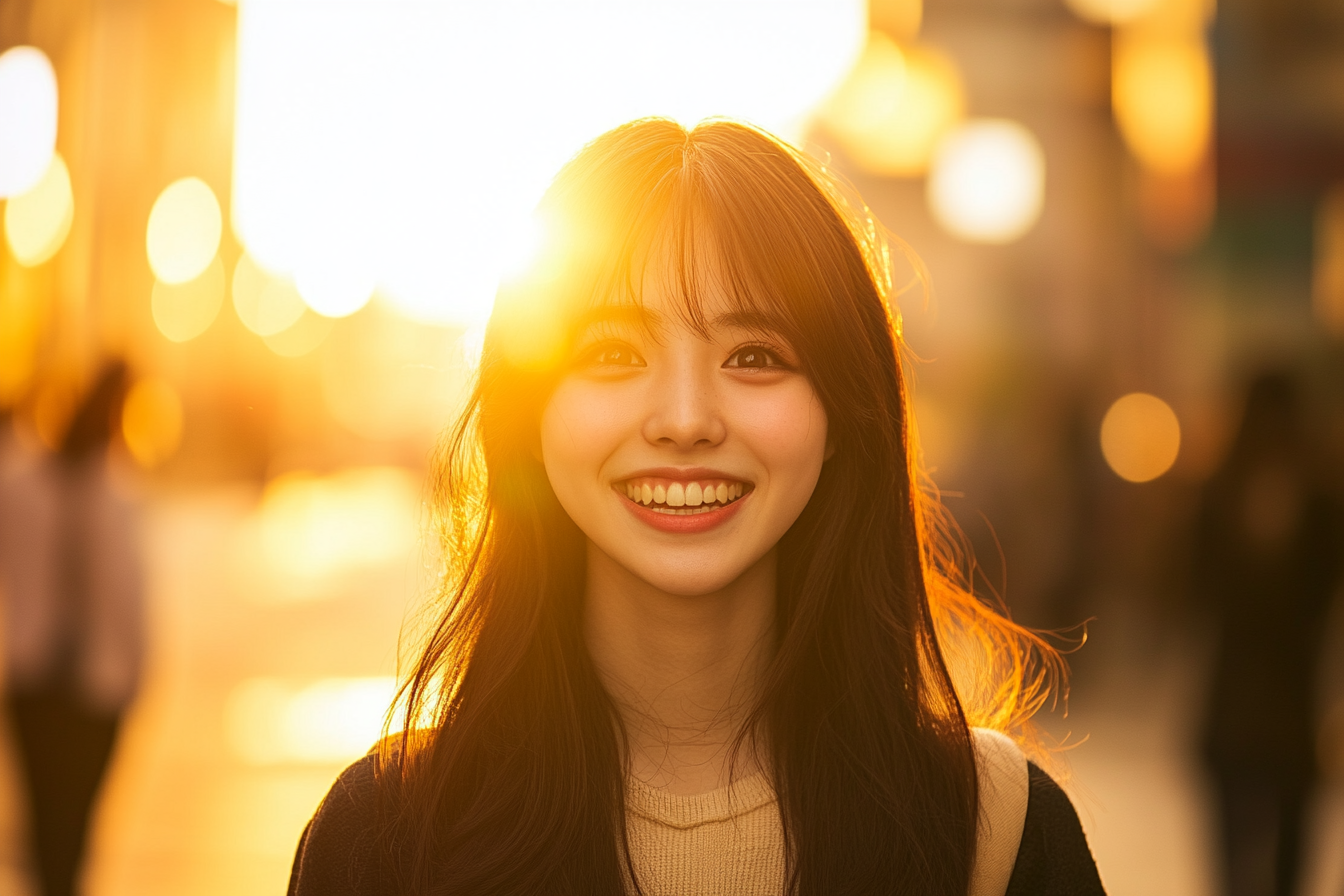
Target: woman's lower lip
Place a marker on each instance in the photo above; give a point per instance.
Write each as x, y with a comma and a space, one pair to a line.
684, 523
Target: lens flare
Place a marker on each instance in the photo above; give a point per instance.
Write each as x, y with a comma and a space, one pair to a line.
151, 422
987, 184
1140, 437
183, 233
186, 310
38, 221
28, 99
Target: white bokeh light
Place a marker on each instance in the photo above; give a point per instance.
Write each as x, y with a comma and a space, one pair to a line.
987, 181
183, 232
401, 145
27, 118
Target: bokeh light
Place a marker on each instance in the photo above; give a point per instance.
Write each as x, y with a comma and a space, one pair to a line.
310, 533
151, 421
38, 221
336, 285
1162, 94
302, 337
899, 18
265, 304
184, 311
270, 721
987, 183
895, 107
342, 181
184, 228
1111, 12
1140, 437
1327, 284
28, 100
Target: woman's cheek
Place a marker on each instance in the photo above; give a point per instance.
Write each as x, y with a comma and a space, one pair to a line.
789, 427
581, 423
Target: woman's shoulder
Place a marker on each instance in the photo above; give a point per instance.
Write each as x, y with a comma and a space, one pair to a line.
336, 856
1054, 858
1028, 839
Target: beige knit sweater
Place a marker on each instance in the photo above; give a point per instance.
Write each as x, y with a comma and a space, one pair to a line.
729, 841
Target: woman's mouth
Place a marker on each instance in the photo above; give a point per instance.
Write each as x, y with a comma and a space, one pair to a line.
682, 498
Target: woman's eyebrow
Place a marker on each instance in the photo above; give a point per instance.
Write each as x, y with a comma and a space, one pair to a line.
747, 320
635, 315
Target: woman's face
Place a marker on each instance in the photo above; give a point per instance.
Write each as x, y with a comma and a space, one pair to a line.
682, 458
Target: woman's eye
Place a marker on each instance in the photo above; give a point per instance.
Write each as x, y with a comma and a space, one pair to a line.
753, 356
614, 356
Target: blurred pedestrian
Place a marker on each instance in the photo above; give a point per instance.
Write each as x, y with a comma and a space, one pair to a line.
70, 572
1267, 559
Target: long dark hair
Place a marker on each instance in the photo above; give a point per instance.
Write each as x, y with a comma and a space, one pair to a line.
510, 769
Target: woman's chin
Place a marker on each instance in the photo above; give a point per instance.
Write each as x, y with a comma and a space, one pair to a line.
692, 574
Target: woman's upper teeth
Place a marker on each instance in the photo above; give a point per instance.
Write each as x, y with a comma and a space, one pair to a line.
683, 494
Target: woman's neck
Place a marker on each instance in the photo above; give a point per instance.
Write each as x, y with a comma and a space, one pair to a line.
684, 670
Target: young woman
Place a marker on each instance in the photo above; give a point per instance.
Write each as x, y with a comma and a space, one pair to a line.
699, 635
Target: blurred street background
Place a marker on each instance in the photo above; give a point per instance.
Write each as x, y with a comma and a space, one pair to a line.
288, 218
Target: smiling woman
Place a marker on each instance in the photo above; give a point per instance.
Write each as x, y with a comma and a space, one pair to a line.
699, 632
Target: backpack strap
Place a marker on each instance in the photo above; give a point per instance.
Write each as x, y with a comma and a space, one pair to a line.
1002, 771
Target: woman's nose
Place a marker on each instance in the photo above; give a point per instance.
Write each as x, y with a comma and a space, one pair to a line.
684, 409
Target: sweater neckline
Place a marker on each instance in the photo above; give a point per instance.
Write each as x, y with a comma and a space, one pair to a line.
683, 812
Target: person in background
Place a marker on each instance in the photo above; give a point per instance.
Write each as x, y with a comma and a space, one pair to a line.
72, 582
1267, 560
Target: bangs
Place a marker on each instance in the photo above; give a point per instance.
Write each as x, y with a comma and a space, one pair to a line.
685, 246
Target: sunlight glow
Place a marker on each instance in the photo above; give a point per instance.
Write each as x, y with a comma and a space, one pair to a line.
183, 311
28, 100
987, 184
1140, 437
38, 221
333, 721
407, 174
895, 107
183, 231
151, 422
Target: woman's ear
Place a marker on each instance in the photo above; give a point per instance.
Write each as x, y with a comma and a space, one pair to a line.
830, 448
